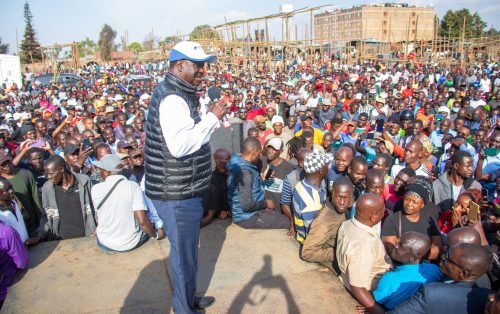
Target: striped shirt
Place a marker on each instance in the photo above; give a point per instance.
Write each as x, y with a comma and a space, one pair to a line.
308, 200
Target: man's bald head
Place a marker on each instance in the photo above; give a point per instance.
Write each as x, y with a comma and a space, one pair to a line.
472, 259
370, 209
418, 243
464, 235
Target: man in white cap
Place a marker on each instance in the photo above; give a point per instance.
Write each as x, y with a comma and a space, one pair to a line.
121, 210
178, 165
278, 123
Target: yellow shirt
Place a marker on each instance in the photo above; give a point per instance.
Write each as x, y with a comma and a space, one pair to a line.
318, 136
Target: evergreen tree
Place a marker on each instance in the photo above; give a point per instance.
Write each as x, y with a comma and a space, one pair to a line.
106, 42
4, 47
30, 47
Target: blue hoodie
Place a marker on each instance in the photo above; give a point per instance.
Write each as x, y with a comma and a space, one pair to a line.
234, 167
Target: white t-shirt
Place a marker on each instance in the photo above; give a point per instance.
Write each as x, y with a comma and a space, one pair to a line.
456, 192
117, 228
15, 221
421, 171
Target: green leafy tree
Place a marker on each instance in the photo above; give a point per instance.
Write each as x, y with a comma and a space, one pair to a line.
135, 47
203, 32
30, 47
4, 47
453, 21
86, 47
106, 42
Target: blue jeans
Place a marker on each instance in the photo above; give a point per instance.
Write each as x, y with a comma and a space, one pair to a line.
181, 223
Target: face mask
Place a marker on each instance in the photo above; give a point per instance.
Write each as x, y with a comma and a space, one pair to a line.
455, 110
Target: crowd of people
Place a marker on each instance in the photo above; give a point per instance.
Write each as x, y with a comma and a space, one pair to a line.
388, 174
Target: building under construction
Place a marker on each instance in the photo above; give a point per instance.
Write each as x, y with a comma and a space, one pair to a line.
379, 22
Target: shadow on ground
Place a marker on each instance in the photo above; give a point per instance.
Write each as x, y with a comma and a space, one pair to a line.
263, 280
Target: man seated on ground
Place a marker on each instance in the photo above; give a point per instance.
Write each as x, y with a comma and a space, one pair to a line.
68, 211
360, 253
319, 245
309, 195
463, 264
121, 211
249, 207
215, 202
398, 285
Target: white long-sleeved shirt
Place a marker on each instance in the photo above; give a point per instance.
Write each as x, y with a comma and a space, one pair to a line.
182, 135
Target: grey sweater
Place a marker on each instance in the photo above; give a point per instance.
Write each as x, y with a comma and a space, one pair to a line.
443, 191
49, 223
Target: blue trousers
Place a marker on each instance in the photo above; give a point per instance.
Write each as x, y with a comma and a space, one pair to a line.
181, 223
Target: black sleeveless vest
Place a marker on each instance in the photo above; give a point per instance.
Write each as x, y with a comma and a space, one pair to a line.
167, 177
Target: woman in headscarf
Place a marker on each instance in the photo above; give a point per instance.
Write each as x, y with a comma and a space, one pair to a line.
413, 218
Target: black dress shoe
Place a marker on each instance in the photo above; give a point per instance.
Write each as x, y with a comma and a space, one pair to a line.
201, 303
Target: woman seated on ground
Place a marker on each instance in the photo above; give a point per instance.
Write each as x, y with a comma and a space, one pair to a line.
413, 218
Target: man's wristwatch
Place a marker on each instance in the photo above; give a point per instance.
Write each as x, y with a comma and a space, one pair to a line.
155, 236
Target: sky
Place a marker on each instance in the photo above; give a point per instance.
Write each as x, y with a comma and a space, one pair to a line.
64, 21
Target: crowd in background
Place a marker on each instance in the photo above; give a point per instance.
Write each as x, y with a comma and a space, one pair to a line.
388, 174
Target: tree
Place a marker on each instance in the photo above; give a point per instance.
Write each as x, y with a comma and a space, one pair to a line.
203, 32
106, 42
4, 47
30, 47
453, 22
135, 47
86, 47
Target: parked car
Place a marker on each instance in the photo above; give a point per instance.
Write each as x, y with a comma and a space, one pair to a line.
64, 78
138, 78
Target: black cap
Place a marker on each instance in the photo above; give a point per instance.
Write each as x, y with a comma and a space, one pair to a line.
27, 128
100, 120
122, 144
305, 117
70, 149
70, 107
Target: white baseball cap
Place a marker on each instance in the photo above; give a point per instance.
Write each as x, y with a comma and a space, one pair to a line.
192, 51
275, 143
